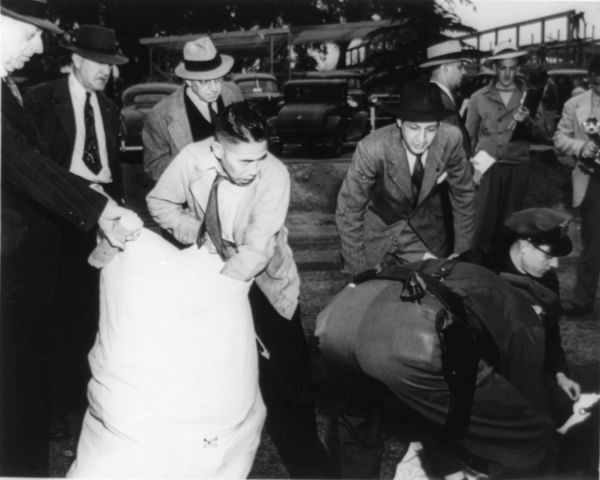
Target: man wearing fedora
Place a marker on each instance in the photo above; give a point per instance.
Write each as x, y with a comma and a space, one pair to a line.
389, 206
37, 193
81, 128
188, 114
494, 113
446, 62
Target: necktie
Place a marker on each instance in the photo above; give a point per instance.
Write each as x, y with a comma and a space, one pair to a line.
212, 110
211, 225
417, 178
91, 156
14, 89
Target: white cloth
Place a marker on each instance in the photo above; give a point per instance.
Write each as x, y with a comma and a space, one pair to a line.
174, 389
78, 167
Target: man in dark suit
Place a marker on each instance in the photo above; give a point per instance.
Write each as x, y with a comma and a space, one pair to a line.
389, 203
81, 128
446, 61
36, 193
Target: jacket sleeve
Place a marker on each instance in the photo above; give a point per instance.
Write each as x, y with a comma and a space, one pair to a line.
261, 242
462, 196
166, 201
35, 177
565, 138
473, 121
157, 150
352, 203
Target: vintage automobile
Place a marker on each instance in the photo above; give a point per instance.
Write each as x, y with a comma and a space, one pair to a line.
319, 113
354, 81
261, 89
137, 101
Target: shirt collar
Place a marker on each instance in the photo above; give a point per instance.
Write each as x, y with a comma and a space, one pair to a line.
76, 88
444, 89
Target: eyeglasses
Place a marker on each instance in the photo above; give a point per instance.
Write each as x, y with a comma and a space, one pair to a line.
213, 82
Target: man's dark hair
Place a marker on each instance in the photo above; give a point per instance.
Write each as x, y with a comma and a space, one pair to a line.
241, 122
594, 67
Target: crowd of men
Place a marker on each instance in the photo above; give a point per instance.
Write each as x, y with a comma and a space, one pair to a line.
432, 185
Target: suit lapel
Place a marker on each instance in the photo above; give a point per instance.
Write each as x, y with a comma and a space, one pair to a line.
398, 168
64, 111
433, 167
179, 126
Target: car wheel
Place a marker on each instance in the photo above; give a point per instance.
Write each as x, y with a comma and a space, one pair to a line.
334, 148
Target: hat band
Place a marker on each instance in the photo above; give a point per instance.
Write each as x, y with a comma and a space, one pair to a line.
506, 50
202, 65
447, 56
110, 50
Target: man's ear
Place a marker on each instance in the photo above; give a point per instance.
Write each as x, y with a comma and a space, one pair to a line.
399, 122
217, 150
76, 59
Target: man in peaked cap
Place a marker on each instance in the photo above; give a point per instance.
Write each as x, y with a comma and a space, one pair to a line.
389, 204
188, 114
36, 194
81, 127
446, 61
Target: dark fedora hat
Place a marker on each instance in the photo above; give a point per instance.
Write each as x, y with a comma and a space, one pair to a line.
96, 43
29, 11
542, 226
420, 102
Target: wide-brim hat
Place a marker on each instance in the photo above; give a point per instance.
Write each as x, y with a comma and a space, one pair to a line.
96, 43
202, 62
420, 102
542, 226
445, 52
28, 11
505, 51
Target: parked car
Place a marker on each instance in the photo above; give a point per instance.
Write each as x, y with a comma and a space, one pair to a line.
137, 101
261, 89
354, 81
319, 113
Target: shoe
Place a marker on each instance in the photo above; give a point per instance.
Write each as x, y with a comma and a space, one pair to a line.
411, 467
581, 411
572, 310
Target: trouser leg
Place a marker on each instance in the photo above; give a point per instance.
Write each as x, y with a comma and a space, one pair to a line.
357, 443
285, 386
588, 268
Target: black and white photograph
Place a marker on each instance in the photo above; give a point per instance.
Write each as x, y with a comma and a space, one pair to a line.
305, 239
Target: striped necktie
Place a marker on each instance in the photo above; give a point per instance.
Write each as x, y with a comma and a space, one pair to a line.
91, 155
417, 178
211, 225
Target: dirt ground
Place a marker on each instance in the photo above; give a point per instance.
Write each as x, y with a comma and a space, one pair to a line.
314, 240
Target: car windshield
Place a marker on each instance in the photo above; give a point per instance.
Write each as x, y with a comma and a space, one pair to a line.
315, 94
257, 85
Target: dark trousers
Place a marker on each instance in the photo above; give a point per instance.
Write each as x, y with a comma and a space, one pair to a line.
501, 192
588, 268
285, 386
75, 325
28, 280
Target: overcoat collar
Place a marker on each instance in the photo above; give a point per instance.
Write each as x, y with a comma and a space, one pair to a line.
178, 123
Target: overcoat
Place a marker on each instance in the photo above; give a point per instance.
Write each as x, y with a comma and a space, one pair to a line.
167, 128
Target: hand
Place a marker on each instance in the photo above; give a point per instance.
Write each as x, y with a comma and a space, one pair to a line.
589, 150
571, 387
428, 256
119, 225
521, 114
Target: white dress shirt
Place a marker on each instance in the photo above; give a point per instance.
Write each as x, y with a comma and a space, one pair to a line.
78, 167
